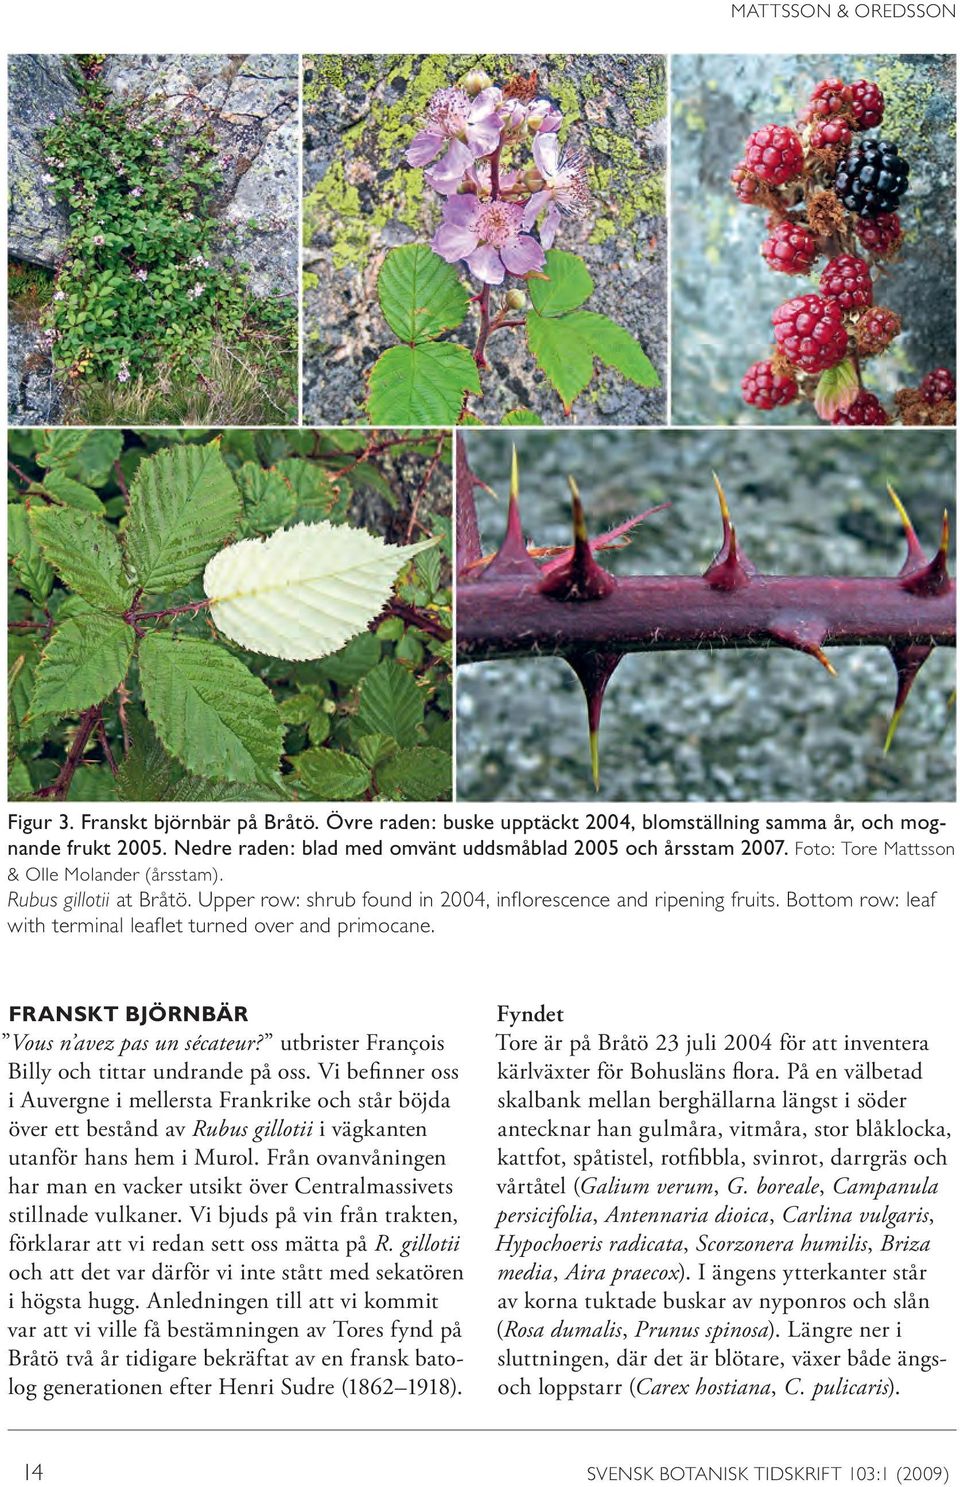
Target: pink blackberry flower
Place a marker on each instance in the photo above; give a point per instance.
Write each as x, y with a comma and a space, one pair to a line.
462, 128
489, 236
564, 187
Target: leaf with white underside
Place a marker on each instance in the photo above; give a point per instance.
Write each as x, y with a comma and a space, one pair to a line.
84, 660
208, 710
304, 592
183, 506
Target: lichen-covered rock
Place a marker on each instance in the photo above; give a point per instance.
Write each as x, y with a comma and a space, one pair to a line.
723, 292
362, 199
31, 391
251, 102
40, 89
263, 212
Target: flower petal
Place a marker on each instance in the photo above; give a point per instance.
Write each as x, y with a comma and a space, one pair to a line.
522, 254
453, 242
483, 134
486, 265
461, 210
546, 148
448, 172
484, 104
551, 122
537, 203
549, 225
424, 147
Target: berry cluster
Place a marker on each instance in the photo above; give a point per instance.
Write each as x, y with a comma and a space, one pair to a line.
831, 193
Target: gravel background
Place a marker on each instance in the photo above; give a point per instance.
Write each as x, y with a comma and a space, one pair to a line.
723, 292
752, 725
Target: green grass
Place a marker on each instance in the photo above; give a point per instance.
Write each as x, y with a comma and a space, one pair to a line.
251, 382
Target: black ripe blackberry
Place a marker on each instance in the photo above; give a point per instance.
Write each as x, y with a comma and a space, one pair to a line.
872, 178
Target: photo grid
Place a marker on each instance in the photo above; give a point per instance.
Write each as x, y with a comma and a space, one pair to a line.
534, 428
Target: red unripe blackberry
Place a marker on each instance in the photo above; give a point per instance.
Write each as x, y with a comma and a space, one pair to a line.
762, 387
880, 234
938, 386
775, 154
790, 249
866, 100
745, 183
828, 98
866, 409
810, 332
876, 329
831, 133
847, 280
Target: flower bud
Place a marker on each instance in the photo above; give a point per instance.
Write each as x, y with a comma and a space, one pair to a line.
516, 300
543, 115
532, 179
476, 81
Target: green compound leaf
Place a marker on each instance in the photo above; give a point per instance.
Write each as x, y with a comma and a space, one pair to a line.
85, 455
615, 347
19, 783
421, 385
390, 703
326, 774
416, 774
567, 286
565, 347
522, 418
147, 772
351, 662
183, 507
70, 492
31, 570
374, 748
209, 711
317, 494
562, 355
268, 500
85, 659
86, 554
23, 654
420, 295
92, 782
305, 591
